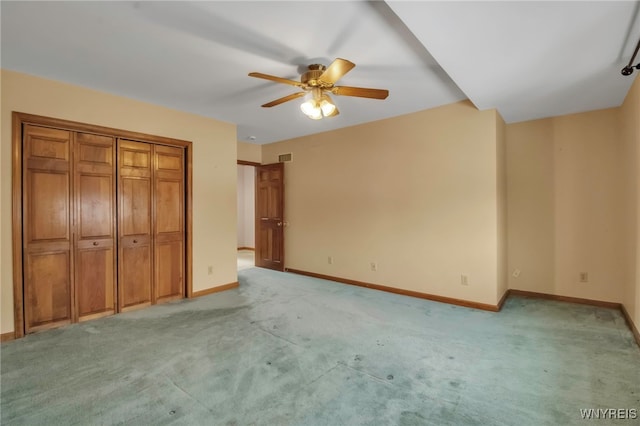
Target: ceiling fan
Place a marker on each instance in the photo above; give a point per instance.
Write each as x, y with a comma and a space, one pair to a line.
317, 83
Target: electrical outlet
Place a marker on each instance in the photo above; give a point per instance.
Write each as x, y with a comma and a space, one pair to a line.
210, 270
584, 277
374, 266
516, 273
330, 260
464, 279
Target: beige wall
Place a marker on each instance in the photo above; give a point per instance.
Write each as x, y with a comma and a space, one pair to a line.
240, 206
417, 194
249, 152
246, 206
5, 215
501, 181
565, 205
422, 195
630, 135
530, 205
214, 167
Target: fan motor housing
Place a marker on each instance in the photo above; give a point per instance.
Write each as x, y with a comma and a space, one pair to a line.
311, 77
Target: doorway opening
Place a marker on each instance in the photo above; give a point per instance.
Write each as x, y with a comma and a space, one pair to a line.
261, 199
246, 215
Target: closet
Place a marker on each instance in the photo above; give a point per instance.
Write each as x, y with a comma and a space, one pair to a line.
103, 223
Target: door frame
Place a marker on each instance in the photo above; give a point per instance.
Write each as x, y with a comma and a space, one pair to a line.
19, 119
256, 218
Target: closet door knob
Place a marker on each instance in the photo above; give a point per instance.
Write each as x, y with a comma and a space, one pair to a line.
135, 241
95, 243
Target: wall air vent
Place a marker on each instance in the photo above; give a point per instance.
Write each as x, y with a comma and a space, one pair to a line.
285, 158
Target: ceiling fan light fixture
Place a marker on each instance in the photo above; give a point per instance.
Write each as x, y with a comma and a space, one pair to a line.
327, 106
317, 114
318, 105
315, 82
311, 109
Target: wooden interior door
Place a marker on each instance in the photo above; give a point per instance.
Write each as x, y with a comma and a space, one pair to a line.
270, 216
135, 261
168, 232
95, 226
47, 228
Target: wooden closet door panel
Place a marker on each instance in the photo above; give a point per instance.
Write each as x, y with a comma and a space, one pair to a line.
47, 289
48, 201
169, 270
135, 158
135, 260
169, 206
95, 283
135, 200
47, 228
135, 276
169, 223
95, 194
94, 165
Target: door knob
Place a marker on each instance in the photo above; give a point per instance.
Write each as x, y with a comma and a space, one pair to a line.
135, 241
279, 223
95, 243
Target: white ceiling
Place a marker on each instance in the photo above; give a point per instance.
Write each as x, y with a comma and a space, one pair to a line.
527, 59
531, 59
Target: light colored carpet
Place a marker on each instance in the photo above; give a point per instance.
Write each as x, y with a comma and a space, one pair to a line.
246, 259
284, 349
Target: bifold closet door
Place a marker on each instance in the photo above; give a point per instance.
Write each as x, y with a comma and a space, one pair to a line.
151, 224
95, 225
135, 218
169, 223
47, 227
103, 224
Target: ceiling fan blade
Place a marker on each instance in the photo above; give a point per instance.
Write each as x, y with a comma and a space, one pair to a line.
276, 79
361, 92
284, 99
336, 70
